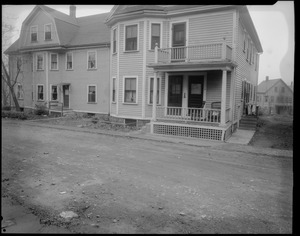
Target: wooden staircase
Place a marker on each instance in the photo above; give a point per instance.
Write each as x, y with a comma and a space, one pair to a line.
248, 123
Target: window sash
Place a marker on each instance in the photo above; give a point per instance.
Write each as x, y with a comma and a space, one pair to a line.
155, 35
92, 94
40, 92
131, 38
114, 41
40, 62
54, 93
92, 60
47, 32
33, 34
69, 61
54, 60
20, 91
130, 90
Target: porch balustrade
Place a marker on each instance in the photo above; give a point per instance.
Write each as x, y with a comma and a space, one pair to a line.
204, 52
201, 115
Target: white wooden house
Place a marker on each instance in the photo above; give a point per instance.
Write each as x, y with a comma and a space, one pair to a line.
197, 58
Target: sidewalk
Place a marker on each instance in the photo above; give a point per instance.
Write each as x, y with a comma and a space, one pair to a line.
237, 142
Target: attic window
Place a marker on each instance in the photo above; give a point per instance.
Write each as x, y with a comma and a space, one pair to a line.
33, 33
48, 32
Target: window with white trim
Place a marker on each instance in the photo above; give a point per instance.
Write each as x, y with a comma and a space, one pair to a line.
151, 85
131, 37
34, 33
48, 32
54, 95
91, 93
114, 40
92, 60
54, 61
155, 34
130, 85
69, 61
39, 61
20, 91
40, 92
113, 90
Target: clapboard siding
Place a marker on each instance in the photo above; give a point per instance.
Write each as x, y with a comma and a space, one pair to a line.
244, 70
131, 64
211, 28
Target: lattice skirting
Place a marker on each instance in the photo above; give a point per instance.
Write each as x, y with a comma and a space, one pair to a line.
194, 132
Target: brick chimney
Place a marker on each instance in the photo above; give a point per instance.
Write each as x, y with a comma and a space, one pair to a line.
73, 11
267, 78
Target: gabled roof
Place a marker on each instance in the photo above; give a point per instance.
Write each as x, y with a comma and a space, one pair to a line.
266, 85
88, 30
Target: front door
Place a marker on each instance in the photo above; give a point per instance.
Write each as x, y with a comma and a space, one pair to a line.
178, 40
195, 96
175, 93
66, 95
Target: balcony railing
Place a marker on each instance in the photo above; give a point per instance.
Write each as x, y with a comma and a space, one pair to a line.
201, 115
205, 52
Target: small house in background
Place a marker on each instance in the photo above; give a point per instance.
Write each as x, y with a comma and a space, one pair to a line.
274, 97
63, 60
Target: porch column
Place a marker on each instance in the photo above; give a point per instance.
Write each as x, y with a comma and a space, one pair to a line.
223, 100
154, 97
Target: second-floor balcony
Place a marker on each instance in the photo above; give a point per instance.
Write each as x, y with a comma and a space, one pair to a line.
213, 52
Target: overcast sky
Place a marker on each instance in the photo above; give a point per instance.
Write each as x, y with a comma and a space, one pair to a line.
274, 25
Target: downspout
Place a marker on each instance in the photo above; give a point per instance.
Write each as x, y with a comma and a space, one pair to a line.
47, 79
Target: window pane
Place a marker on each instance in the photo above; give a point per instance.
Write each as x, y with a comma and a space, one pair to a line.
131, 31
155, 30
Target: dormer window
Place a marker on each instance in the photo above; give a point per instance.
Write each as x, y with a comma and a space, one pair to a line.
33, 33
48, 32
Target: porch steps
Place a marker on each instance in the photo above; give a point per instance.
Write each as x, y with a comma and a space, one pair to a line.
248, 123
65, 111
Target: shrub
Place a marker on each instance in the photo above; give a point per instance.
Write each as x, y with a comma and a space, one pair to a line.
14, 115
41, 109
6, 108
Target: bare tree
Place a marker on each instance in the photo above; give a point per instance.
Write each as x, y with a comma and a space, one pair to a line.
7, 34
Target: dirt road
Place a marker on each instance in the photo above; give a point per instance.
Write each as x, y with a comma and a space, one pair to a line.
123, 185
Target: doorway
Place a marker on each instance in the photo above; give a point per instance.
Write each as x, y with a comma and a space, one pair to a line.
66, 96
195, 91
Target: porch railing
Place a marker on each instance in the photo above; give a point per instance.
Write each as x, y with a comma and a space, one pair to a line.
204, 52
203, 115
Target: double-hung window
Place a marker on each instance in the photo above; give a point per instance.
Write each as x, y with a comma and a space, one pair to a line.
130, 90
54, 61
69, 61
131, 39
92, 60
155, 35
20, 91
40, 62
34, 33
91, 93
114, 40
151, 91
40, 92
48, 35
54, 93
113, 90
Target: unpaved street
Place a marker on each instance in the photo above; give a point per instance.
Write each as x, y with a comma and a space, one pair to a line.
124, 185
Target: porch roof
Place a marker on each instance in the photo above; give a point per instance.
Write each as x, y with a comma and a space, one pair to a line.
193, 66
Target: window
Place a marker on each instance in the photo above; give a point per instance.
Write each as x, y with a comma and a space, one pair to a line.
248, 49
33, 33
91, 93
20, 91
69, 61
244, 43
47, 32
266, 98
282, 89
40, 62
114, 90
32, 93
252, 60
91, 60
54, 61
155, 35
114, 40
130, 90
131, 38
53, 93
151, 91
19, 63
40, 92
276, 89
